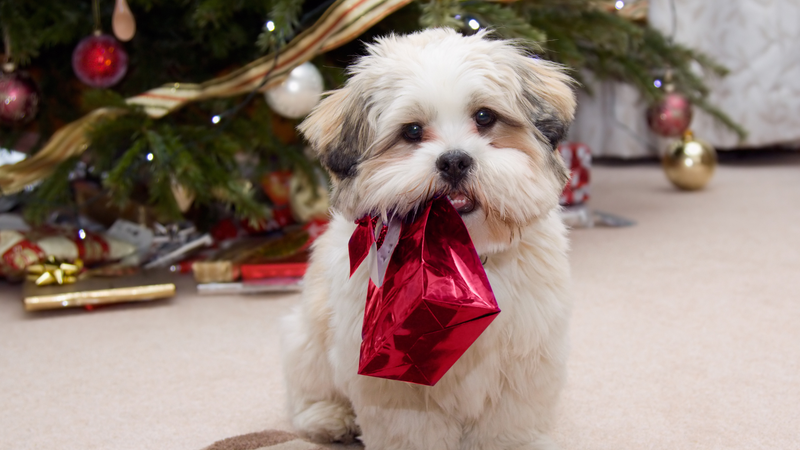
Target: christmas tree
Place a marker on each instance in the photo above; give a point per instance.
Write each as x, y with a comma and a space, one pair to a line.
175, 119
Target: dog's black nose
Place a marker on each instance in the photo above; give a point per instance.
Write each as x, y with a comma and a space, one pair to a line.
454, 165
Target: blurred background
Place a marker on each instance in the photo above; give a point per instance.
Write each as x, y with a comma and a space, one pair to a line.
184, 112
149, 160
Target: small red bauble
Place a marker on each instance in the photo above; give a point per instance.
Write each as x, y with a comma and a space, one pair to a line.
19, 98
578, 159
99, 61
224, 230
671, 116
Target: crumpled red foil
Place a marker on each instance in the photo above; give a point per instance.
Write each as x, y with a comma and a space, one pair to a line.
434, 302
361, 241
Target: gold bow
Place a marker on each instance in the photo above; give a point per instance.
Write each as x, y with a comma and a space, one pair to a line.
52, 271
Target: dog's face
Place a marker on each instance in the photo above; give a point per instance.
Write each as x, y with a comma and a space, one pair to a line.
437, 113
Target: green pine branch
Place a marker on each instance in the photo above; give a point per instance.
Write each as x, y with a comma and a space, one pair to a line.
52, 194
134, 152
34, 25
441, 13
614, 48
284, 17
195, 40
505, 22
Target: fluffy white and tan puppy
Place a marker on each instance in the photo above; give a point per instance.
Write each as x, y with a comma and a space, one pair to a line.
477, 119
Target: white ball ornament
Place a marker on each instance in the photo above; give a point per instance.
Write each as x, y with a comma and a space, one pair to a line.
298, 94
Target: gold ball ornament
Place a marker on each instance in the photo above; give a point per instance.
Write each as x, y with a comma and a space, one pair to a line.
689, 163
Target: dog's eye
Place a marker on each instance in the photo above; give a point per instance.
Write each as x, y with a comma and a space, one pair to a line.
485, 118
412, 132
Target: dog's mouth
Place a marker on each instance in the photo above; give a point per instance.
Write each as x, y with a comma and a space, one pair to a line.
462, 203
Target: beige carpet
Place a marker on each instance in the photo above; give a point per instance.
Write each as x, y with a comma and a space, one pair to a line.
686, 335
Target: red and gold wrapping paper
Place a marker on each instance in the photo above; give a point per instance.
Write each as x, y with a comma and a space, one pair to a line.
18, 249
256, 258
294, 265
273, 270
435, 300
578, 159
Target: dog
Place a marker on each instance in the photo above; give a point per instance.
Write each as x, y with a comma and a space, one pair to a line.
423, 115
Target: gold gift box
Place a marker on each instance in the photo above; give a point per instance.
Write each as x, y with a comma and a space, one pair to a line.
215, 271
224, 265
139, 287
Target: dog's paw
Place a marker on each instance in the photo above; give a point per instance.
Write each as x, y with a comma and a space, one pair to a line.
327, 421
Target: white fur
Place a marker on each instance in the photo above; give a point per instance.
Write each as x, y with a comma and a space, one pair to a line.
501, 394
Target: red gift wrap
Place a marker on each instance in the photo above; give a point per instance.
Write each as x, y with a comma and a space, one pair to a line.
274, 270
578, 160
435, 300
21, 249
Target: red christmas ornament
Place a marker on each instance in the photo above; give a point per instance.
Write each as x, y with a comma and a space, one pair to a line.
19, 98
99, 61
578, 159
671, 116
224, 230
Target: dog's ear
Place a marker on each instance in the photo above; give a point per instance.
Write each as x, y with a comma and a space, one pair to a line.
548, 97
550, 102
339, 132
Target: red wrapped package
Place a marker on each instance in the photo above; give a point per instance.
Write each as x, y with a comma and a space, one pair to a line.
578, 160
434, 300
21, 249
273, 270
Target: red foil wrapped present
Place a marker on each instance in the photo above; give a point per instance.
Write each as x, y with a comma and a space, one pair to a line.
18, 249
578, 160
434, 300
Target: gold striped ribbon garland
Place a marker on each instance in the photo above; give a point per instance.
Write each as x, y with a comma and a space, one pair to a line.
341, 23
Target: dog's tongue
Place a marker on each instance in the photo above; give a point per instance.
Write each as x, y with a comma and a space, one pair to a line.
461, 202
